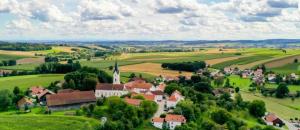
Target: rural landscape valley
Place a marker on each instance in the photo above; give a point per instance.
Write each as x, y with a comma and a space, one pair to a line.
221, 86
149, 64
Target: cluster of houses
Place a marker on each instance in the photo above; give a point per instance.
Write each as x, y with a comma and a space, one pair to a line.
71, 99
170, 121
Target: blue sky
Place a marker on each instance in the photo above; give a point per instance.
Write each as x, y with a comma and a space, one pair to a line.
148, 19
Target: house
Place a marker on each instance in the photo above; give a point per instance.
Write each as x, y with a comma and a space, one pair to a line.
40, 93
108, 90
25, 101
174, 99
158, 122
72, 100
170, 78
134, 102
228, 70
139, 86
147, 96
161, 87
174, 120
294, 76
158, 95
271, 78
272, 119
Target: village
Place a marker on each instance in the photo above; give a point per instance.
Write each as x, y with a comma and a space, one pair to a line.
138, 89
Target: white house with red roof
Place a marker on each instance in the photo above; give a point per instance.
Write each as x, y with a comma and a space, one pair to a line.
139, 86
158, 122
134, 102
171, 121
174, 99
174, 120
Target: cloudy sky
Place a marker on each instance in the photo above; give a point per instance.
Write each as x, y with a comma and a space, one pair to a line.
148, 19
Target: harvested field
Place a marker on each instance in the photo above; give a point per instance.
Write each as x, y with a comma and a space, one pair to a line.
31, 60
217, 50
152, 68
282, 61
20, 53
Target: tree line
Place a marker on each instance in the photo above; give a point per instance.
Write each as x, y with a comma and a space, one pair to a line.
185, 66
24, 46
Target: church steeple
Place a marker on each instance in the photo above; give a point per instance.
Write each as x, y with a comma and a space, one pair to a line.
116, 73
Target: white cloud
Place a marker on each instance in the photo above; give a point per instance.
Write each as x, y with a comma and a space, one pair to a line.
159, 19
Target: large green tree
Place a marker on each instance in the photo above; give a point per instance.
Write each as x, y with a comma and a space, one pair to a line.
282, 90
5, 99
257, 108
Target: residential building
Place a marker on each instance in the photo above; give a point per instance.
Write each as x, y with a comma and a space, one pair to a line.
139, 86
134, 102
272, 119
25, 101
108, 90
72, 100
174, 120
174, 99
158, 122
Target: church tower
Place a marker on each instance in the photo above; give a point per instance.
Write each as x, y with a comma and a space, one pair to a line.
116, 74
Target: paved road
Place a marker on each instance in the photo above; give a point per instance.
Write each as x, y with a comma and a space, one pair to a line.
290, 125
160, 109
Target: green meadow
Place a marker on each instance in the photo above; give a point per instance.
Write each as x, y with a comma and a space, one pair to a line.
28, 81
46, 122
11, 57
287, 69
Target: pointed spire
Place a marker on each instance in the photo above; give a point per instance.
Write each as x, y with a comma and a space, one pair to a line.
116, 69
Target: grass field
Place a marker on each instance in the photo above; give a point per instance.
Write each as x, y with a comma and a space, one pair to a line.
153, 69
284, 108
21, 67
11, 57
28, 81
44, 122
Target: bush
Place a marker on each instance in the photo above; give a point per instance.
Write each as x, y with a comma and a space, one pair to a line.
220, 116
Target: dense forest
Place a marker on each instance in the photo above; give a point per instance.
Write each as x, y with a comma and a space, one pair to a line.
23, 46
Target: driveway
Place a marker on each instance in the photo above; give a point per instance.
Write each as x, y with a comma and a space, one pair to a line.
160, 110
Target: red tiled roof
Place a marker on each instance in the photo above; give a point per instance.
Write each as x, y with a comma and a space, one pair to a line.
158, 119
138, 84
175, 118
146, 96
135, 102
66, 90
162, 87
271, 117
36, 90
172, 98
157, 92
70, 98
106, 86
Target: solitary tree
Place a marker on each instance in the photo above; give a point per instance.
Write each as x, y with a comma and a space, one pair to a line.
282, 90
257, 108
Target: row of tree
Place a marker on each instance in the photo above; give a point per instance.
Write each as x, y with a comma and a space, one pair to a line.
8, 62
24, 47
185, 66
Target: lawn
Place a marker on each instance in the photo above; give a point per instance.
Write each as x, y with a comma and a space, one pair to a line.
237, 81
27, 81
45, 122
103, 64
292, 88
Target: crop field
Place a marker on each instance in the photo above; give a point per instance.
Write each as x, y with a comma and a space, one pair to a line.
31, 60
153, 69
103, 64
242, 61
45, 122
287, 69
28, 81
282, 61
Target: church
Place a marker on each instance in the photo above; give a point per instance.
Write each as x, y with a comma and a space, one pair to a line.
114, 89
